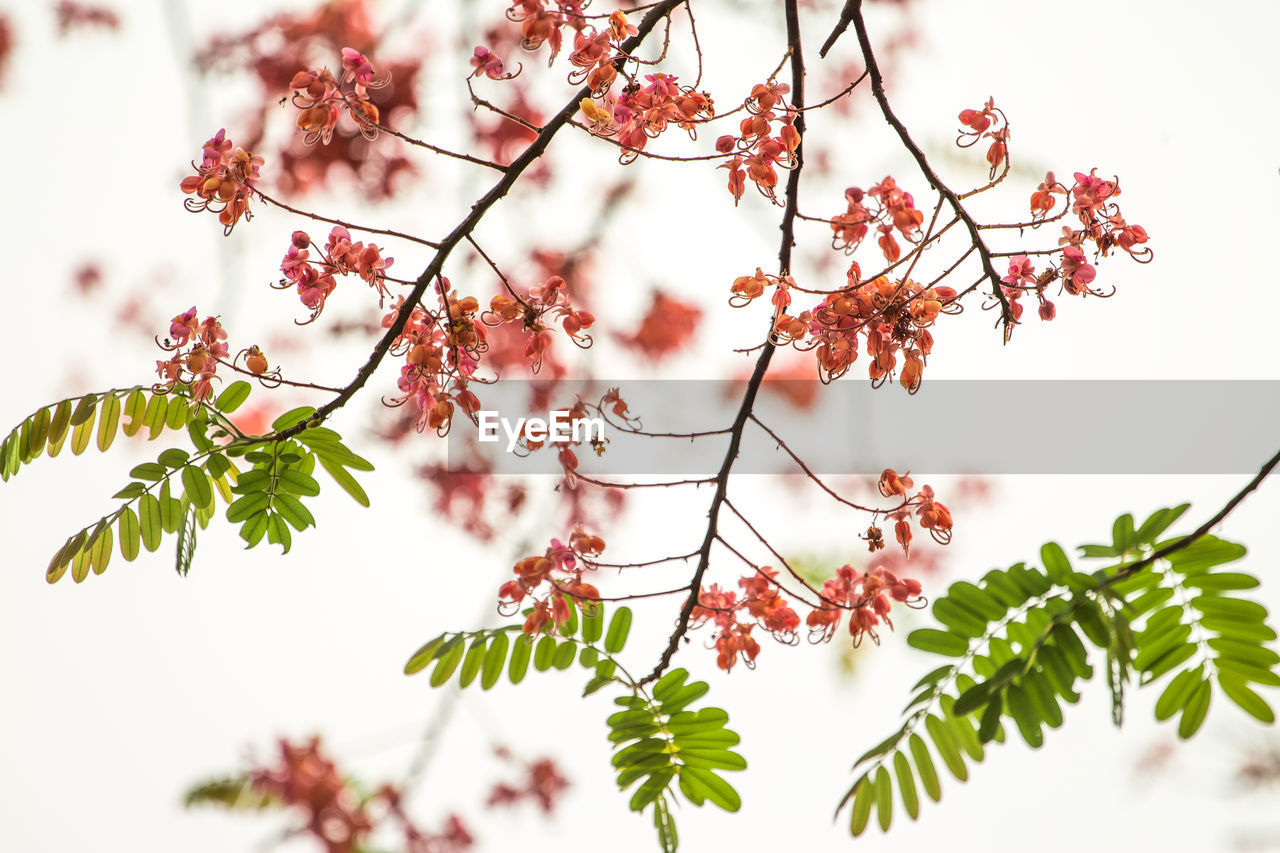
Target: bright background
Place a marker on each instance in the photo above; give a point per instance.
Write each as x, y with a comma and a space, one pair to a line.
121, 692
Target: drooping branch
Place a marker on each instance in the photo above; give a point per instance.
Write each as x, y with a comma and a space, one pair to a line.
745, 410
478, 210
854, 8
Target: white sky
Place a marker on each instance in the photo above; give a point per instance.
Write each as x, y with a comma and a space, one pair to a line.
120, 692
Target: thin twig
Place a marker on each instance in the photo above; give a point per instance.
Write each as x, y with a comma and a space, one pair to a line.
499, 190
878, 92
762, 362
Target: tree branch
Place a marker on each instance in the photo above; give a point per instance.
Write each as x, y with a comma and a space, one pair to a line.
762, 362
468, 224
854, 8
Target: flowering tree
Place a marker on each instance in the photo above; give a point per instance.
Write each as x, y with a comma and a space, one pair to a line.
861, 281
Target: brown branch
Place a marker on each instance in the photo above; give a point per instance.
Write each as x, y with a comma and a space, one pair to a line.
877, 91
350, 225
846, 16
762, 362
466, 226
1201, 531
808, 472
404, 137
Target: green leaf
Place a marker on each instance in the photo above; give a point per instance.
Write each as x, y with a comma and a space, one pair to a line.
712, 758
592, 621
884, 798
154, 416
292, 511
1056, 564
84, 410
1158, 523
244, 507
100, 551
619, 626
652, 788
82, 433
1196, 710
176, 414
595, 684
544, 654
278, 532
292, 417
714, 739
1231, 608
344, 479
1024, 715
130, 492
1221, 581
335, 452
149, 522
217, 465
472, 663
255, 527
293, 480
861, 811
1248, 671
233, 396
424, 655
1003, 589
1246, 652
924, 766
39, 432
958, 618
705, 719
1122, 535
990, 722
197, 485
174, 457
149, 471
938, 642
1205, 553
1178, 692
58, 426
1170, 661
80, 566
1031, 581
521, 650
719, 791
948, 749
197, 430
170, 508
565, 654
135, 407
906, 785
1250, 702
1042, 698
108, 422
130, 534
62, 559
1249, 632
668, 684
494, 659
935, 675
979, 601
1152, 649
684, 697
447, 660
